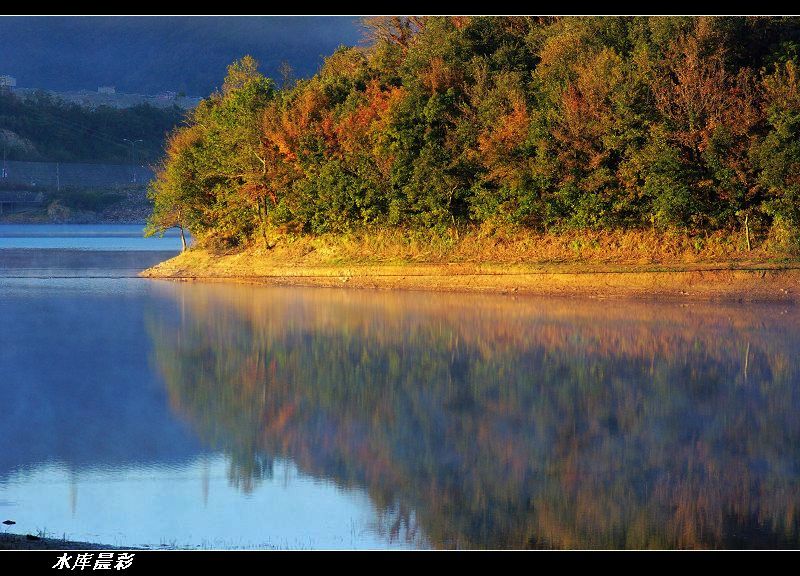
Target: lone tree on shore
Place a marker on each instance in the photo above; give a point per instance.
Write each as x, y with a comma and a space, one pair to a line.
172, 190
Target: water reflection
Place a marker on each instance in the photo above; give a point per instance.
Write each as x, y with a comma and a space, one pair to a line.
75, 385
493, 422
92, 450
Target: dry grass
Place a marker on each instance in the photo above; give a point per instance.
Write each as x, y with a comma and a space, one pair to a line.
641, 264
487, 245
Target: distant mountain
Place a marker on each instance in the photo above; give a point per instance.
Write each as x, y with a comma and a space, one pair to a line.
154, 54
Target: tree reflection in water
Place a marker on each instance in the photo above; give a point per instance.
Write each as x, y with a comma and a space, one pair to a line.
482, 421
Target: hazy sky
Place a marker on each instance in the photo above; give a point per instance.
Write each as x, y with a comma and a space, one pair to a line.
153, 54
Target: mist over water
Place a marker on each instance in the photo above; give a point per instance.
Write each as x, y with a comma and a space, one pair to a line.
80, 250
141, 412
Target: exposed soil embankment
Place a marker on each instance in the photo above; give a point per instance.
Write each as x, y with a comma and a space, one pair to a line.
740, 280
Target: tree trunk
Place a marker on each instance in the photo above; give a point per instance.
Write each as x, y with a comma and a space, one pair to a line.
264, 223
183, 239
747, 231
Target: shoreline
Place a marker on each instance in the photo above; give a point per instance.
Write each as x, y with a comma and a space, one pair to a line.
759, 281
10, 541
74, 222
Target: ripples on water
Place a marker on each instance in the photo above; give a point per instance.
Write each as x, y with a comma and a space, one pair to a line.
155, 413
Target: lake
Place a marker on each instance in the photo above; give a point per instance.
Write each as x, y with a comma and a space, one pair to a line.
150, 413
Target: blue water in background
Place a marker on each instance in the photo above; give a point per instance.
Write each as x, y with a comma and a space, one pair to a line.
103, 237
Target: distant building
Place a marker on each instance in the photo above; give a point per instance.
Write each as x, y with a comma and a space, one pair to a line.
14, 201
108, 96
8, 82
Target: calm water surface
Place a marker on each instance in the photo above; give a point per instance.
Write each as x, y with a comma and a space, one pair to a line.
140, 412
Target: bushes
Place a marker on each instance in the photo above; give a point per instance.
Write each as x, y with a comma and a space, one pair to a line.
552, 123
778, 155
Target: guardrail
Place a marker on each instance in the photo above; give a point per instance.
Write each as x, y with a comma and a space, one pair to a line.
68, 174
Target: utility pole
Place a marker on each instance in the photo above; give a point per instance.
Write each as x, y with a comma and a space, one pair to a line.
58, 177
133, 156
4, 173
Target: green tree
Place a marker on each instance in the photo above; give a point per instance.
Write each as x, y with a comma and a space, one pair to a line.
443, 123
778, 156
214, 173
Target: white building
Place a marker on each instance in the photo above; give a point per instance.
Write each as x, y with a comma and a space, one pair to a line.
106, 90
8, 82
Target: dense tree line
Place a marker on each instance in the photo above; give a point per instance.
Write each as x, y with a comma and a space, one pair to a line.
543, 123
41, 127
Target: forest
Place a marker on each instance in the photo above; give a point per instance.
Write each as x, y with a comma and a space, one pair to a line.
540, 124
41, 127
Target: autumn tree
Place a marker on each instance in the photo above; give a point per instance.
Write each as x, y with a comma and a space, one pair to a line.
177, 193
709, 114
448, 123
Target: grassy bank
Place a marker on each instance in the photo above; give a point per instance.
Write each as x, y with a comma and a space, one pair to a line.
643, 264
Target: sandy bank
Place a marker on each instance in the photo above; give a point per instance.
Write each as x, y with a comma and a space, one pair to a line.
737, 281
